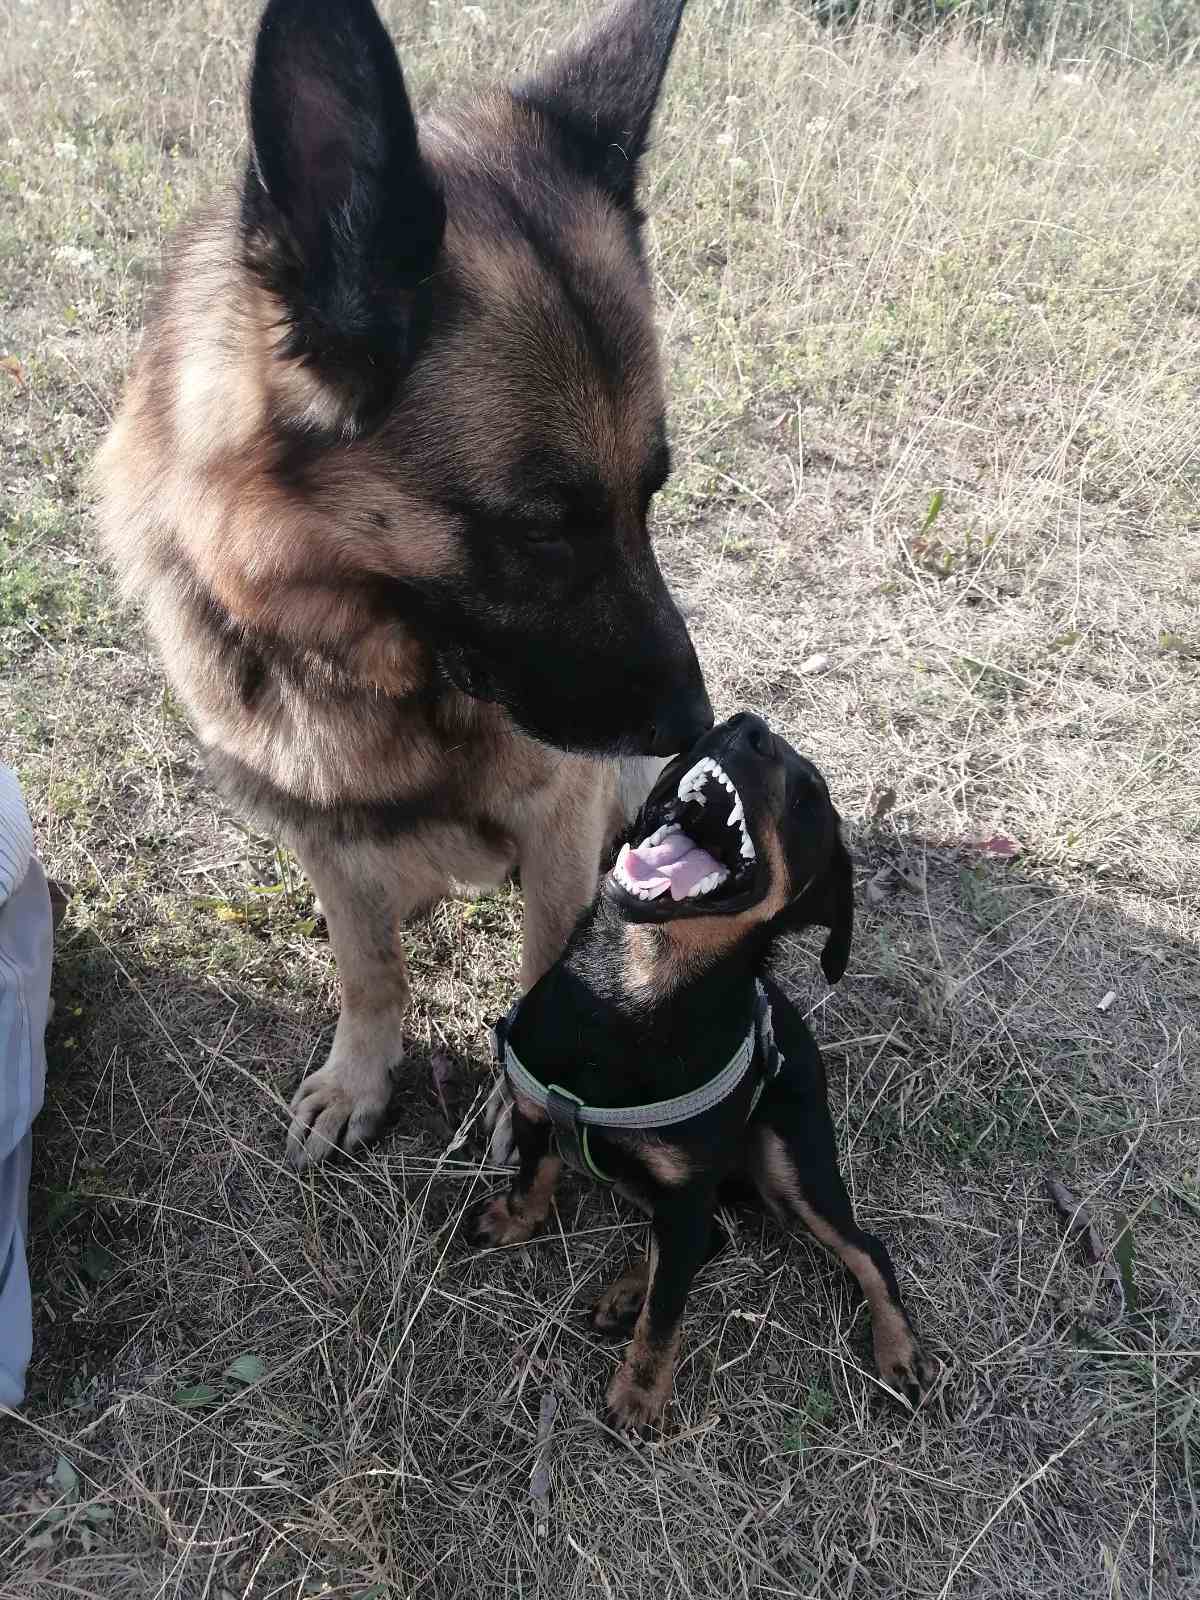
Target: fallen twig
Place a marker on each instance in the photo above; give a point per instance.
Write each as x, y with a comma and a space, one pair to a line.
539, 1482
1080, 1226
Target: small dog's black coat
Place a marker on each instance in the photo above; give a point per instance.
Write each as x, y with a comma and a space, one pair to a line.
650, 1000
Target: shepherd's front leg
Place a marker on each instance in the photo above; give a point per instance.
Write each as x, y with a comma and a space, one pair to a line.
367, 893
560, 846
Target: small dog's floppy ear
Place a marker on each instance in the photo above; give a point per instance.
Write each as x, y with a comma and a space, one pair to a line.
829, 903
600, 92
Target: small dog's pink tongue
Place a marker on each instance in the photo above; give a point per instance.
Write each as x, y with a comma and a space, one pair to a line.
677, 863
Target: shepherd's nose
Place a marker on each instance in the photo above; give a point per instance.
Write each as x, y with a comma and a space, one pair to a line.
679, 720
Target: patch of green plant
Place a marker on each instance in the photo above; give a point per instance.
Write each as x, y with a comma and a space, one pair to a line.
951, 560
46, 591
1145, 30
241, 1373
988, 903
815, 1408
70, 1515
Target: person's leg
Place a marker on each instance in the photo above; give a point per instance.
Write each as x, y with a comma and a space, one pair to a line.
25, 954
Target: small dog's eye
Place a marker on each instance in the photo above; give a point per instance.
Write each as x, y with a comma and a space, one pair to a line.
803, 789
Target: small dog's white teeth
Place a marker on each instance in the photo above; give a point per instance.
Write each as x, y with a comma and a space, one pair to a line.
692, 779
707, 884
736, 815
747, 848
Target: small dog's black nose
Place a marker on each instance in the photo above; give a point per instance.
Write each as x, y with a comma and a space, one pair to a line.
679, 722
755, 732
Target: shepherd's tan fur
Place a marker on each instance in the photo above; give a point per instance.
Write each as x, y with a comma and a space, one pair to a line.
259, 523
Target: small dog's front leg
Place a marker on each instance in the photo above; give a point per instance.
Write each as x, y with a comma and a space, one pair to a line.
682, 1232
798, 1176
615, 1314
515, 1216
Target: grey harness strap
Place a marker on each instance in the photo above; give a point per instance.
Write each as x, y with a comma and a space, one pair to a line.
572, 1119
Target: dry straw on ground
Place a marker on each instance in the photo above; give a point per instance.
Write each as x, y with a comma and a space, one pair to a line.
885, 276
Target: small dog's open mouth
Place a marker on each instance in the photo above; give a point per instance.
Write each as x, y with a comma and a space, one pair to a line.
699, 848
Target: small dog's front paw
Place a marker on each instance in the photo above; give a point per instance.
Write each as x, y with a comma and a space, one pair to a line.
496, 1223
619, 1307
904, 1366
634, 1406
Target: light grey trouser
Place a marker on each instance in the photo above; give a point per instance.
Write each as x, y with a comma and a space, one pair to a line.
26, 933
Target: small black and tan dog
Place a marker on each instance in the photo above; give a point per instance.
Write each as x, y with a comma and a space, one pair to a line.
657, 1055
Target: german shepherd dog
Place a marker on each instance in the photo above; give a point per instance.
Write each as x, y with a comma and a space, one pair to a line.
381, 479
656, 993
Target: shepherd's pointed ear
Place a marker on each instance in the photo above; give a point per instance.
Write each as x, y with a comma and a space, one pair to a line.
340, 215
828, 902
600, 91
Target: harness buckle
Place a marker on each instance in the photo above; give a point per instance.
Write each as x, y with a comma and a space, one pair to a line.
571, 1135
770, 1057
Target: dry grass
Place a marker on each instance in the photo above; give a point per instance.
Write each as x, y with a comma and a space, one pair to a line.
882, 275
